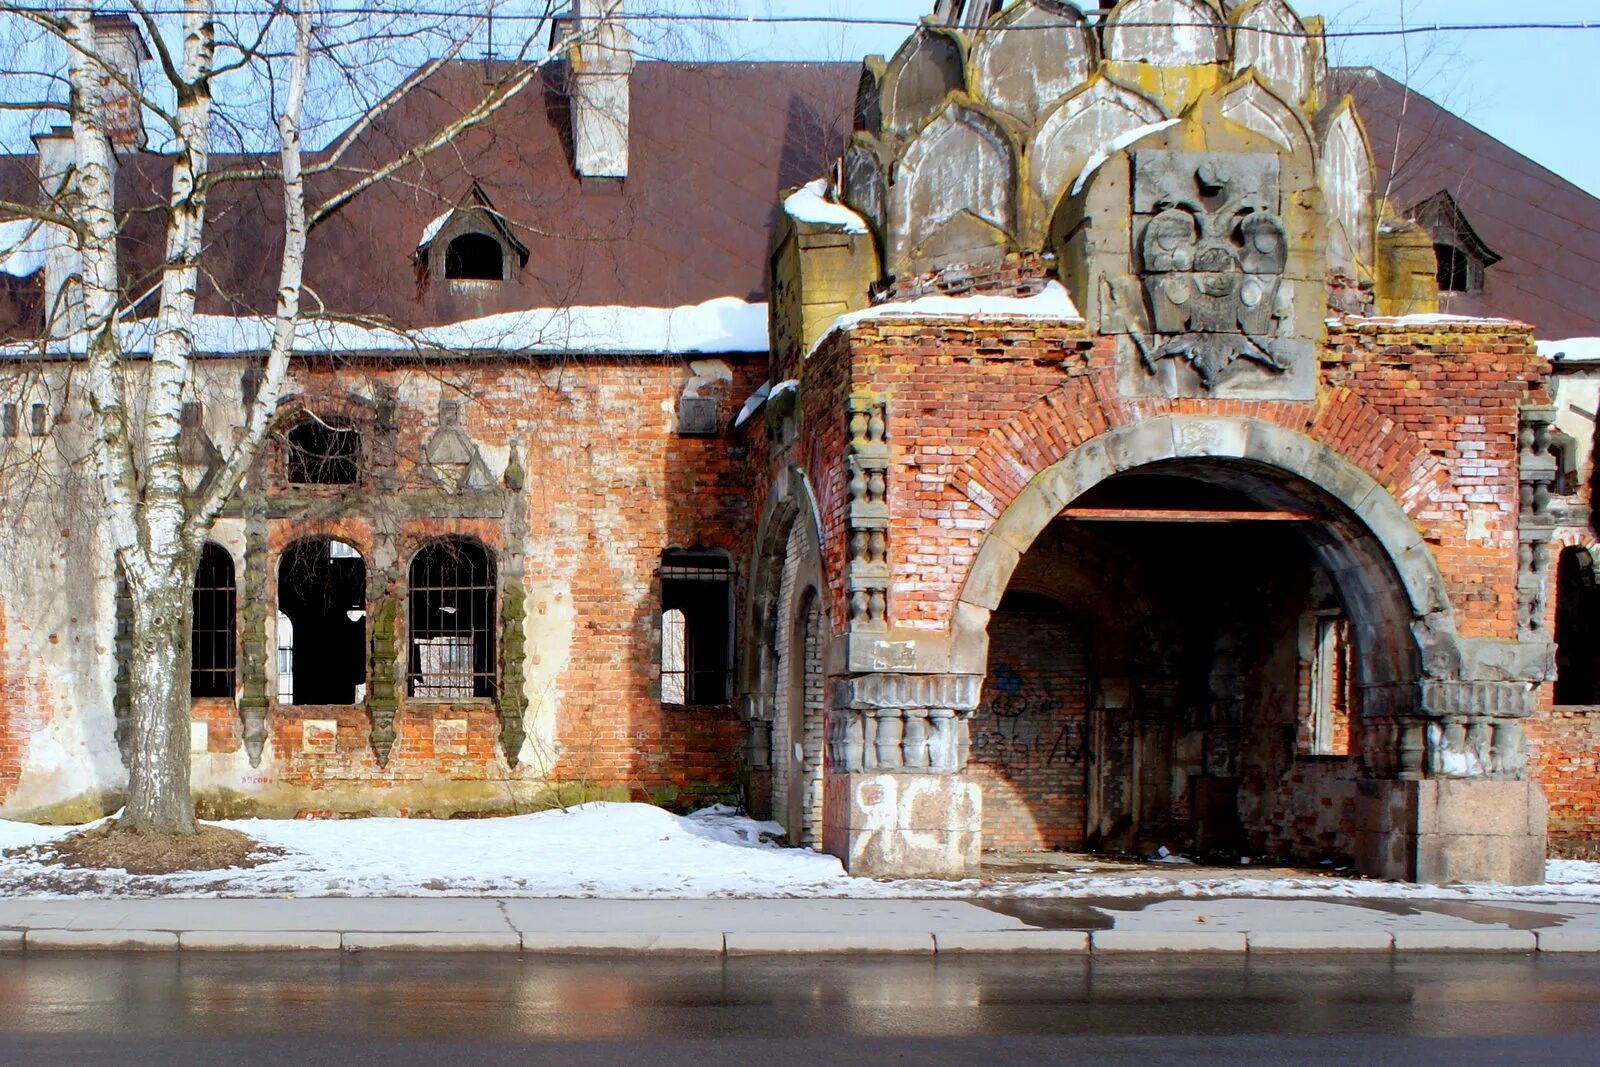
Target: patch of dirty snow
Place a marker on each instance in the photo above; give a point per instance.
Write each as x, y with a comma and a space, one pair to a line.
640, 851
23, 245
1572, 350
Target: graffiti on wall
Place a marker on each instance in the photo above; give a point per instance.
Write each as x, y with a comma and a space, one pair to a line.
1021, 726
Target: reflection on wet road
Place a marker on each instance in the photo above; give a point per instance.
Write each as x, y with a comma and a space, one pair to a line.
394, 1008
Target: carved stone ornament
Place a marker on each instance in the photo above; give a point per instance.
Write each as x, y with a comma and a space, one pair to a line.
1212, 251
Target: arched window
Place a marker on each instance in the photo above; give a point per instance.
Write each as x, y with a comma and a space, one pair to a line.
474, 257
322, 652
320, 454
1577, 628
451, 622
212, 634
1455, 269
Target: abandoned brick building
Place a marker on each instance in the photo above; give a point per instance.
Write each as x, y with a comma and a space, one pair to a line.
1069, 433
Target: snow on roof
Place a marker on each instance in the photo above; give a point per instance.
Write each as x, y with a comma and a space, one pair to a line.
1572, 350
1115, 145
1053, 302
23, 243
810, 203
752, 404
431, 231
726, 324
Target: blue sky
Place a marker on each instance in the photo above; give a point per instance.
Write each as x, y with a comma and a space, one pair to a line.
1533, 90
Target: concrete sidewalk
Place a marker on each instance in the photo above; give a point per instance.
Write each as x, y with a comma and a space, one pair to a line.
746, 926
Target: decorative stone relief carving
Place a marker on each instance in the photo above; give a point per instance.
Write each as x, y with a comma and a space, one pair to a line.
454, 461
253, 647
1536, 469
867, 464
513, 696
1271, 40
1212, 251
1031, 56
959, 175
900, 722
1167, 33
1477, 748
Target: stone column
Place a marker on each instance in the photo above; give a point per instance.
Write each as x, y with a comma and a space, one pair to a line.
894, 801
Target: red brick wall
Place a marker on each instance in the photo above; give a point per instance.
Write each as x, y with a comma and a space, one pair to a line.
1564, 757
1028, 736
25, 706
978, 408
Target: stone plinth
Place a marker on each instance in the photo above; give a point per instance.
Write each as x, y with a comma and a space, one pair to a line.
899, 825
1452, 830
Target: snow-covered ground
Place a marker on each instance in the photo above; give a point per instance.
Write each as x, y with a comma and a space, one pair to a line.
635, 850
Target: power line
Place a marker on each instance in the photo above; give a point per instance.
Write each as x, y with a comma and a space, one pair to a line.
862, 21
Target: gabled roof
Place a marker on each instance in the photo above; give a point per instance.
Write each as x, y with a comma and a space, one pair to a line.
1439, 211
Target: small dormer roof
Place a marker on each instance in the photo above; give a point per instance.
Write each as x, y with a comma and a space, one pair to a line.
475, 203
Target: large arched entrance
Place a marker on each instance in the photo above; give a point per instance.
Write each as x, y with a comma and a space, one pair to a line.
1193, 643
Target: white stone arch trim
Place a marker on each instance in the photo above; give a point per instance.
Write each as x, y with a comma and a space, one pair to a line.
962, 160
1374, 552
1032, 55
789, 501
1248, 102
1348, 178
1269, 37
1078, 128
1165, 33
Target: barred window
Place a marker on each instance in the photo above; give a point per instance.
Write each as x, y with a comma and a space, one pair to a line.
696, 628
451, 624
320, 454
212, 634
475, 257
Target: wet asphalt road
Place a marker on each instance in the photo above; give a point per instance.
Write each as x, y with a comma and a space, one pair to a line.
391, 1009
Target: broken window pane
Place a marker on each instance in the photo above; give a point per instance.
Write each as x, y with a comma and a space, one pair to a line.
696, 628
212, 633
322, 592
319, 454
451, 622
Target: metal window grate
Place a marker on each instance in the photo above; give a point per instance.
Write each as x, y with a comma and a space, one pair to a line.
213, 635
451, 622
696, 628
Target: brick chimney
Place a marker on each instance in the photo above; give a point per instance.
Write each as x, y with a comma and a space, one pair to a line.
598, 86
120, 48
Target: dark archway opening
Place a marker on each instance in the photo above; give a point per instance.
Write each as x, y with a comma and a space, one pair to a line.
1577, 628
213, 633
1172, 666
322, 651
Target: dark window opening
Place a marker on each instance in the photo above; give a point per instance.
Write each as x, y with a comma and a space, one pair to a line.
696, 628
320, 454
451, 624
322, 623
474, 257
212, 637
1455, 269
1577, 628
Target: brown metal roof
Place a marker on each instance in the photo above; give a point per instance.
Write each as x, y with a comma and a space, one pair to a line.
711, 147
1546, 229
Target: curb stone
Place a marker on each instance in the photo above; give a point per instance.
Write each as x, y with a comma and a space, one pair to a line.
1321, 941
259, 940
748, 944
10, 940
412, 941
1168, 941
1560, 939
120, 940
1076, 941
708, 943
1465, 941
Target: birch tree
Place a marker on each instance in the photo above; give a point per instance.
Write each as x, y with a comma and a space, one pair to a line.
220, 69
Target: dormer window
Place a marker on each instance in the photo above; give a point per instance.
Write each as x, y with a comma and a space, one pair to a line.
474, 257
471, 244
1461, 255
